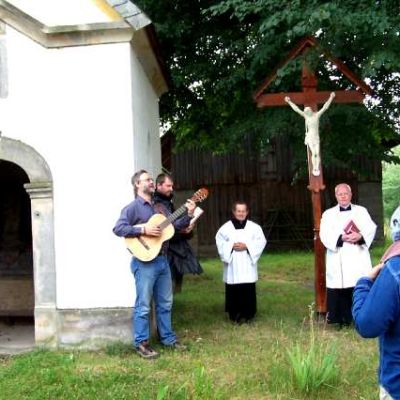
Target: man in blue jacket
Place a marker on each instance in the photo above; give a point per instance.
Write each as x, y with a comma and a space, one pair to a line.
376, 312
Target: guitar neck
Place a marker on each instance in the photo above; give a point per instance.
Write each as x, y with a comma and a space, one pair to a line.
174, 216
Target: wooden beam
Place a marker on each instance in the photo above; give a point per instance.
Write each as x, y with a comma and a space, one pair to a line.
278, 99
349, 74
301, 48
298, 49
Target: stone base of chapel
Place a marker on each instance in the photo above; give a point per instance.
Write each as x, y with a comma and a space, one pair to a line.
87, 329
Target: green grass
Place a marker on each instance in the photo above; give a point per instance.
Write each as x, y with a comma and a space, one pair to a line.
224, 361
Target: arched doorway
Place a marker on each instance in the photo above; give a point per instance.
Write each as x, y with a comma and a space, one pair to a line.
16, 261
28, 235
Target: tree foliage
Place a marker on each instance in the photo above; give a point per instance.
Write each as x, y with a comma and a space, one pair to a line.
219, 51
391, 186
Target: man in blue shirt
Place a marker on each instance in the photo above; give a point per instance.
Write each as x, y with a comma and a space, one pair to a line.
152, 278
376, 312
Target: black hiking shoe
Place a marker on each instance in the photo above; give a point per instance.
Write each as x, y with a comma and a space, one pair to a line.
145, 351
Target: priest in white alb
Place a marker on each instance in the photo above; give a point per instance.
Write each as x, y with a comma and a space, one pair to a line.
347, 232
240, 243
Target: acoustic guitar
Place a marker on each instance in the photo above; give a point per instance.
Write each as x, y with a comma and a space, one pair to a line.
146, 248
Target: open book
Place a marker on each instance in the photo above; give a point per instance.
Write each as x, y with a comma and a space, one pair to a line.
197, 213
351, 227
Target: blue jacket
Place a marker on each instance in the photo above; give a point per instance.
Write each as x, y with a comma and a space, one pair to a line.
376, 312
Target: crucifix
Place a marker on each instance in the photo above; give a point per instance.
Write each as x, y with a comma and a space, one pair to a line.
311, 139
310, 97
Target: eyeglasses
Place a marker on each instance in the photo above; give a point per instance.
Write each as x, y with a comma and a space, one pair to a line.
146, 180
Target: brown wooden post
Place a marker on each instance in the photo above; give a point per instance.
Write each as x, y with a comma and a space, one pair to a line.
316, 185
319, 257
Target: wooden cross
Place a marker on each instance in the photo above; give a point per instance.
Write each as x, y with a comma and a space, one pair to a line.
310, 97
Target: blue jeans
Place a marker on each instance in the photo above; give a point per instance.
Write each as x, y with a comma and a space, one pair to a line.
152, 280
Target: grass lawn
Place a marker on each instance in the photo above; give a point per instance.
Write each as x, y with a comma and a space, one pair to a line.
224, 361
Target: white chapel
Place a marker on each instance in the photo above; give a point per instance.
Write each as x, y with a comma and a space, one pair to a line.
80, 82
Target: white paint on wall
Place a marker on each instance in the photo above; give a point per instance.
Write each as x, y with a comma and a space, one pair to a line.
75, 106
145, 108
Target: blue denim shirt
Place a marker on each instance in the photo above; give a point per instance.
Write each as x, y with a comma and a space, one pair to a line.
376, 312
139, 211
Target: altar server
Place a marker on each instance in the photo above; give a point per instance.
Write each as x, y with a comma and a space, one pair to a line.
240, 243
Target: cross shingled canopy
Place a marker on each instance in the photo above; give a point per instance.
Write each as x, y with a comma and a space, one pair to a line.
311, 97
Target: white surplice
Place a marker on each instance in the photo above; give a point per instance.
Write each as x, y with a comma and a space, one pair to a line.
346, 264
240, 266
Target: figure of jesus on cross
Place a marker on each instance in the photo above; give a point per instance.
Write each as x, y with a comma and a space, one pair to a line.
311, 139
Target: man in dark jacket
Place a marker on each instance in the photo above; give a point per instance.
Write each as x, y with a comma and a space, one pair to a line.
181, 257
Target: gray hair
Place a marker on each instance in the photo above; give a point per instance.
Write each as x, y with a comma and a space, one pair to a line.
135, 179
343, 184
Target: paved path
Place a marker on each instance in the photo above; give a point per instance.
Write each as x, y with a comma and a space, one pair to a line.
16, 338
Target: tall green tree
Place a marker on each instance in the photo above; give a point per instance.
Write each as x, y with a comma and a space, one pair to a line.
219, 51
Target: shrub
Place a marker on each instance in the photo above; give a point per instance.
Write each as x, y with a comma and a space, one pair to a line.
314, 366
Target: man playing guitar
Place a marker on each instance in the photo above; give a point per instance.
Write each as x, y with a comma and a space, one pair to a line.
152, 278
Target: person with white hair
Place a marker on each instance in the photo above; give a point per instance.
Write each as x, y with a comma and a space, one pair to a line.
376, 312
347, 232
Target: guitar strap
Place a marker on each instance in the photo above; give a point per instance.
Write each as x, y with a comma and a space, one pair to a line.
160, 209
